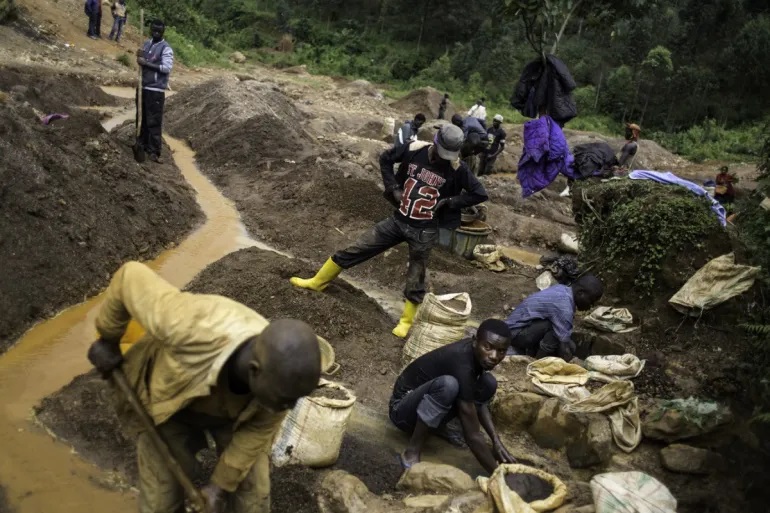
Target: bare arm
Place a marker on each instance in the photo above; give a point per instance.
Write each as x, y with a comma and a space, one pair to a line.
499, 451
469, 419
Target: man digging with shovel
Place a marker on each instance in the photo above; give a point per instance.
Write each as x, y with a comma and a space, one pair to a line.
206, 363
430, 188
156, 59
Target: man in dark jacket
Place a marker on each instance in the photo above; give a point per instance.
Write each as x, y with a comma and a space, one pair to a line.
156, 59
442, 106
92, 9
428, 191
496, 137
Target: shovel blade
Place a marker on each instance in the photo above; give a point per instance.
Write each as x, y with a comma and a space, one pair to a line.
139, 154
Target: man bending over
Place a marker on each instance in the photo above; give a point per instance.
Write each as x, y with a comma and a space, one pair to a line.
206, 363
542, 324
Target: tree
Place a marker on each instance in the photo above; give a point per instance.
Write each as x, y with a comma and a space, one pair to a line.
654, 74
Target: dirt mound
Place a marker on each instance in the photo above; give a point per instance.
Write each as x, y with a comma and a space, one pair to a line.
74, 206
227, 120
425, 100
354, 325
52, 92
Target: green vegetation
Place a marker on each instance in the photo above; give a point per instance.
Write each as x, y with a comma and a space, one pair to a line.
691, 72
124, 59
8, 10
634, 228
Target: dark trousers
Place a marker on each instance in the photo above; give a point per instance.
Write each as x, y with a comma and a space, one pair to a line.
435, 402
486, 164
98, 32
386, 234
117, 27
151, 131
93, 24
539, 340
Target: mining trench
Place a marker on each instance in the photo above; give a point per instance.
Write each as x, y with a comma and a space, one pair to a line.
41, 474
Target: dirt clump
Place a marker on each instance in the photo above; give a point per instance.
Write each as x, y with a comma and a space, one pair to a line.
330, 393
425, 100
228, 121
529, 486
73, 206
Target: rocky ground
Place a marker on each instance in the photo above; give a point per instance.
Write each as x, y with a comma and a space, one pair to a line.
298, 156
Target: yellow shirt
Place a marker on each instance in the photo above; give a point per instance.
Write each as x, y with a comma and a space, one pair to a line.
189, 337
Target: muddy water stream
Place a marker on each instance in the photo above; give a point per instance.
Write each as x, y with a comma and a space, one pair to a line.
42, 475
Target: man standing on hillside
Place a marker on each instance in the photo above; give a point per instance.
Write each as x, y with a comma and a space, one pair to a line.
442, 106
119, 18
205, 364
475, 140
407, 134
156, 59
496, 136
478, 111
628, 152
542, 324
93, 9
453, 381
428, 191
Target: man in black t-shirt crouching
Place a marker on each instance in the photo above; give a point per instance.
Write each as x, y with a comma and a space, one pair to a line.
453, 380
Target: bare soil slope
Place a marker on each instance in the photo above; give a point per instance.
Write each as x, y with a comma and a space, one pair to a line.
73, 203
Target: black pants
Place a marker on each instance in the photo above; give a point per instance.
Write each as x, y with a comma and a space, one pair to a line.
486, 164
93, 24
386, 234
435, 402
539, 340
98, 32
151, 132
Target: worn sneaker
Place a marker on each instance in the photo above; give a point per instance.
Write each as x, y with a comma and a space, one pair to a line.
156, 159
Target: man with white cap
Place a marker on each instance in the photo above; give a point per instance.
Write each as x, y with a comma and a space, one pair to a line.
496, 136
429, 189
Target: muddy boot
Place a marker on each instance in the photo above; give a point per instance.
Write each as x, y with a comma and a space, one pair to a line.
326, 274
407, 318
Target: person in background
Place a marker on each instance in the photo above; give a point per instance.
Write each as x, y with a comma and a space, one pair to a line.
725, 192
628, 153
156, 59
542, 324
442, 106
408, 132
119, 17
92, 9
496, 136
453, 381
478, 111
475, 140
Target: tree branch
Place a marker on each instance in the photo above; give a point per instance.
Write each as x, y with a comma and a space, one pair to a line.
564, 26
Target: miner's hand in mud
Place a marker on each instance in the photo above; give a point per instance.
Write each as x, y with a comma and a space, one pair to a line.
105, 356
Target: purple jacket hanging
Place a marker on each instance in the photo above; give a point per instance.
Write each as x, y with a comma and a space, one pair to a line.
546, 154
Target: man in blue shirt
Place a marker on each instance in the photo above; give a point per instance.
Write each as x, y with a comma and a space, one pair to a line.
542, 324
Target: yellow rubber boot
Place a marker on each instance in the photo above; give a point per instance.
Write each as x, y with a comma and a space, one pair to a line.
407, 318
325, 274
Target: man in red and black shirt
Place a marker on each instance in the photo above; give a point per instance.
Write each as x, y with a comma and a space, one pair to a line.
428, 191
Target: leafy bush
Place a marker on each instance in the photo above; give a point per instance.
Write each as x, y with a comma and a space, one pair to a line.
124, 59
634, 227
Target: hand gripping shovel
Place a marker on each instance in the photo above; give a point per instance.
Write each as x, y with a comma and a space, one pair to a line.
138, 148
197, 501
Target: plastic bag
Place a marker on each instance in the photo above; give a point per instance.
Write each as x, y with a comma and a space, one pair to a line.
312, 432
614, 320
489, 256
680, 419
631, 492
440, 320
713, 284
507, 501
